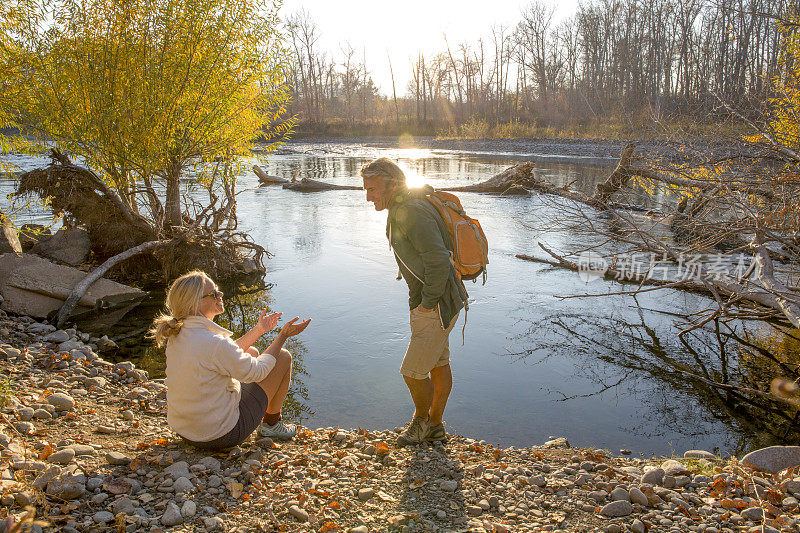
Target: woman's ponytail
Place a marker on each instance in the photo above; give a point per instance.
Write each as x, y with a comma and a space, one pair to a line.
183, 300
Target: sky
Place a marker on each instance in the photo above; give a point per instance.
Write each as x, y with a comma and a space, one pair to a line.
379, 30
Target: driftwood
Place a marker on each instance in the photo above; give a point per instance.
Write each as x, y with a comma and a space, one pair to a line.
300, 185
309, 185
266, 179
520, 179
714, 287
80, 289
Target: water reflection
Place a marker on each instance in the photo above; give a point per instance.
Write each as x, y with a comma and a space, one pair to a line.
331, 261
685, 382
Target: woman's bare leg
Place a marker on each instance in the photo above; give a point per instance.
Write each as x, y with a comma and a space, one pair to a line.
276, 384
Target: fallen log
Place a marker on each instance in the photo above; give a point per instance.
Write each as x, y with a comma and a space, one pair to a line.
763, 297
266, 179
80, 289
309, 185
520, 179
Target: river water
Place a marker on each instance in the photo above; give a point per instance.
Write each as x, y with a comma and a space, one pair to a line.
599, 371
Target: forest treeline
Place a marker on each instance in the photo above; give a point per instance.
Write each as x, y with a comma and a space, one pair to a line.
614, 67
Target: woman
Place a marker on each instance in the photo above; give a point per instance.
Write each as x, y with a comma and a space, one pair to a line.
218, 389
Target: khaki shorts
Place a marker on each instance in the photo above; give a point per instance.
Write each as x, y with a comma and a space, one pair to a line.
429, 346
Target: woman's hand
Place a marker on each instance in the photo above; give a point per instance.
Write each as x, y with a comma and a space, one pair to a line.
292, 327
267, 321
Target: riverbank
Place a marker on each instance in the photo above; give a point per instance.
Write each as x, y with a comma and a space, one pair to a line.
85, 443
603, 152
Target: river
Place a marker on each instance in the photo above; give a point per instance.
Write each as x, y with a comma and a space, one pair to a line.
531, 366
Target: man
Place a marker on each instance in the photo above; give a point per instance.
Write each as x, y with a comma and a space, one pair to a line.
422, 248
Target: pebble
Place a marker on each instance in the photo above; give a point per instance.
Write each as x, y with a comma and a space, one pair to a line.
654, 476
172, 515
123, 505
214, 523
671, 467
637, 496
620, 494
102, 517
57, 337
117, 458
637, 526
62, 457
617, 508
358, 529
189, 509
753, 513
83, 449
448, 485
699, 454
474, 510
61, 401
365, 494
298, 513
182, 484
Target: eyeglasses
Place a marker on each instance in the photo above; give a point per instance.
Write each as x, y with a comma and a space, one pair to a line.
215, 293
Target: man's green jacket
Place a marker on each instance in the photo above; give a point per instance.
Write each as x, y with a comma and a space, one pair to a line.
422, 247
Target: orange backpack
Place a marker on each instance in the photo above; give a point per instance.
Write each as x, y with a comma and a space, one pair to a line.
470, 247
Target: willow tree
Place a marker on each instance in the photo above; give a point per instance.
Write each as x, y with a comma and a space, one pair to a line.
145, 91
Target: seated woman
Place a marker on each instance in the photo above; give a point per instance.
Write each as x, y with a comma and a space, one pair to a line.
218, 389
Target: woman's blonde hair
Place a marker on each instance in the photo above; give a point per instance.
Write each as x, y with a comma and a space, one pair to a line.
183, 300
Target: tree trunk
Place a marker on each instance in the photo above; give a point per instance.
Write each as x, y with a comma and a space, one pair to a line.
172, 204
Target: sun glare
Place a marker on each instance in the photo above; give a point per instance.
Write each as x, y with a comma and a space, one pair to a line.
405, 158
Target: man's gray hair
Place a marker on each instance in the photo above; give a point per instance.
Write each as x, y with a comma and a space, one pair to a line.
383, 168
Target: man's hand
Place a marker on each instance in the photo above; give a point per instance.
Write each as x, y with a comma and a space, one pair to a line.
267, 321
292, 327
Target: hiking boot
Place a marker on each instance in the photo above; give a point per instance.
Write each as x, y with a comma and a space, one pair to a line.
437, 433
414, 433
280, 431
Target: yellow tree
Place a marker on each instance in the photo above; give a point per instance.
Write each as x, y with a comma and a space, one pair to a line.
146, 90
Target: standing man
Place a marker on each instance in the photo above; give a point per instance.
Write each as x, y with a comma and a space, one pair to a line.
422, 248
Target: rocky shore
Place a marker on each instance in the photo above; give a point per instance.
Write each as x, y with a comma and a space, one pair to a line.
85, 446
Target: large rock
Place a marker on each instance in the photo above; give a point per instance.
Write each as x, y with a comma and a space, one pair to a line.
68, 245
9, 243
31, 234
773, 459
33, 286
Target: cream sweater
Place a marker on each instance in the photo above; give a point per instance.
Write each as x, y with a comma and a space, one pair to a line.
204, 370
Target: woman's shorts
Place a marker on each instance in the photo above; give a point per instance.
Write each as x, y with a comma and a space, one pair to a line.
252, 406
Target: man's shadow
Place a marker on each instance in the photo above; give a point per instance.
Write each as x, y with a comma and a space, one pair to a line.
431, 486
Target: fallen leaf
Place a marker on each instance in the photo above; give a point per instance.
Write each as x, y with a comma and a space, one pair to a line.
382, 448
329, 526
235, 489
46, 452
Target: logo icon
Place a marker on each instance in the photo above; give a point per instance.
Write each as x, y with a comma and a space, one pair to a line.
591, 266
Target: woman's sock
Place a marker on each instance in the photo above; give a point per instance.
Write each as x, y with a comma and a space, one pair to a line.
272, 419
